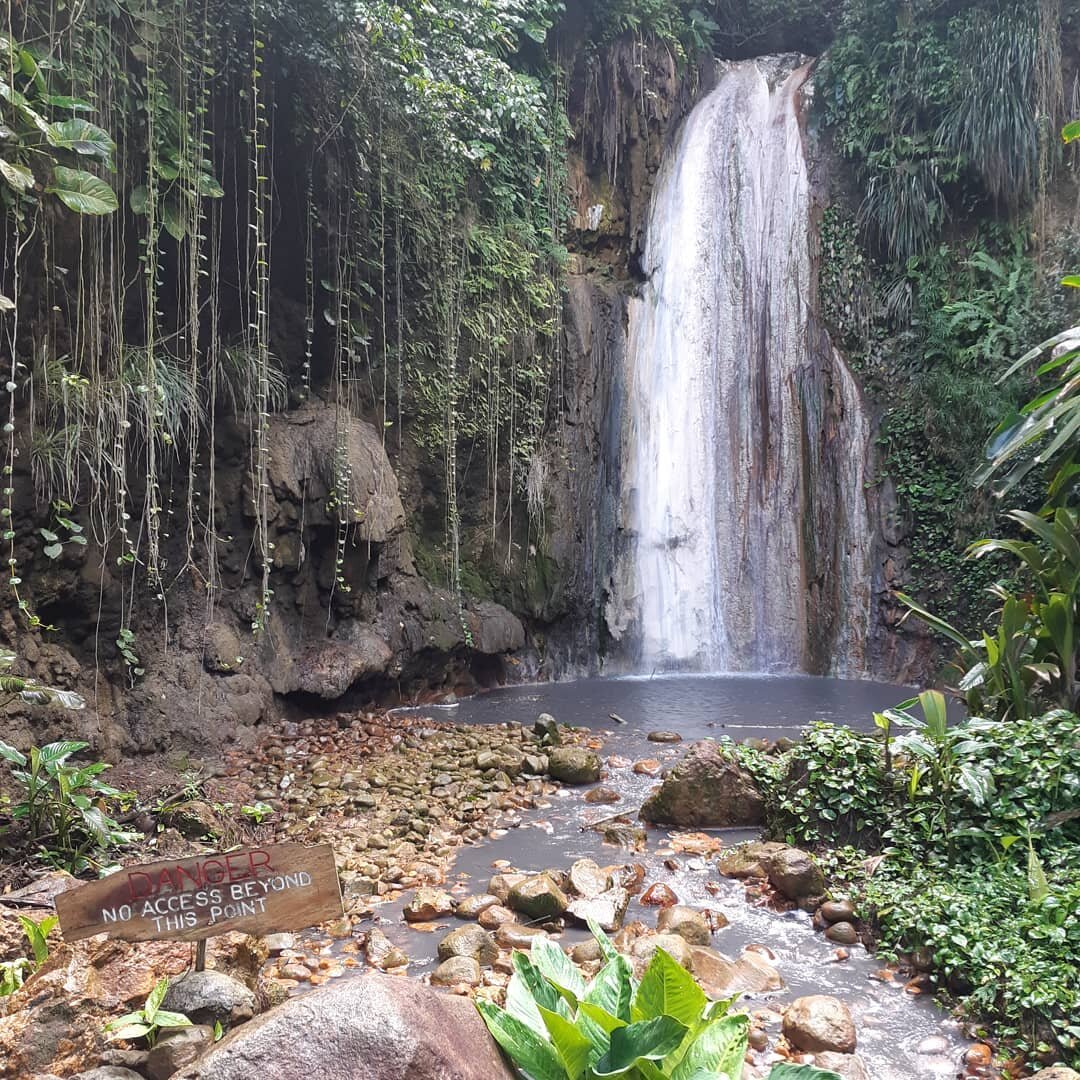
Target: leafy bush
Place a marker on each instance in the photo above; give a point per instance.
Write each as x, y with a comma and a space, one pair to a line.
63, 805
558, 1027
149, 1021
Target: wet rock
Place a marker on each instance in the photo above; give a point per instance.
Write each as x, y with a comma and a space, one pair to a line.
843, 933
381, 952
748, 860
208, 996
374, 1028
493, 917
648, 767
1057, 1072
278, 943
574, 765
834, 911
471, 941
106, 1072
849, 1066
501, 884
603, 796
585, 952
664, 737
470, 907
659, 895
177, 1048
705, 790
674, 945
607, 909
795, 874
687, 922
515, 936
457, 970
547, 730
720, 976
538, 897
588, 880
819, 1022
428, 904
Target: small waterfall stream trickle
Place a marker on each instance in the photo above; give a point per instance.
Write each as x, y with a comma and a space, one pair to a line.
747, 442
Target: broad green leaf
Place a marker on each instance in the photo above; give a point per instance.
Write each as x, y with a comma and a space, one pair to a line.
530, 1052
82, 137
53, 551
157, 996
668, 989
1038, 886
137, 1030
62, 101
207, 186
82, 192
1071, 131
174, 220
9, 753
557, 968
611, 989
720, 1046
786, 1070
573, 1047
651, 1040
166, 1019
607, 949
18, 176
60, 751
542, 992
139, 199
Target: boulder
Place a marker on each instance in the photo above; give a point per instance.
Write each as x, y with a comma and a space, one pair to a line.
515, 936
428, 904
843, 933
748, 860
370, 1028
455, 971
208, 996
1057, 1072
547, 730
689, 923
819, 1022
721, 977
471, 941
674, 945
471, 907
573, 765
538, 897
849, 1066
795, 874
107, 1072
176, 1048
588, 880
705, 790
381, 952
607, 909
500, 885
493, 917
604, 796
834, 911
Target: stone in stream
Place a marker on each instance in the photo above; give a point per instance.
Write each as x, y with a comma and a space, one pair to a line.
664, 737
515, 936
706, 790
795, 874
428, 904
819, 1022
574, 765
848, 1066
607, 909
602, 796
648, 767
586, 951
1057, 1072
381, 952
720, 976
588, 880
748, 860
208, 996
495, 916
470, 907
472, 941
689, 923
674, 945
373, 1028
547, 730
659, 895
843, 933
834, 911
538, 897
456, 971
501, 884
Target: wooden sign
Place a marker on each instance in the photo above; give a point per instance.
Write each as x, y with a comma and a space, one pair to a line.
255, 891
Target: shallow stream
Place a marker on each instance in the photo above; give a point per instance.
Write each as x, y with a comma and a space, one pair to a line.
900, 1036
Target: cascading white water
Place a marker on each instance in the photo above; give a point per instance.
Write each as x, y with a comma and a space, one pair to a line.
725, 390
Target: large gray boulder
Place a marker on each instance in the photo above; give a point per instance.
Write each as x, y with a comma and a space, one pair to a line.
705, 790
375, 1027
208, 996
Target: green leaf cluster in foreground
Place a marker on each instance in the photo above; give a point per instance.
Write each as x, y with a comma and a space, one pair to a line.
556, 1026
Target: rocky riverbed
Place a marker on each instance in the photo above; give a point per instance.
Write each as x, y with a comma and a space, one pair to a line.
458, 843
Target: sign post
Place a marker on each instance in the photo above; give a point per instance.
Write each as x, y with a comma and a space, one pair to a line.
253, 890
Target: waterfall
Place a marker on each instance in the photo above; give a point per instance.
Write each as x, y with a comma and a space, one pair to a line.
748, 446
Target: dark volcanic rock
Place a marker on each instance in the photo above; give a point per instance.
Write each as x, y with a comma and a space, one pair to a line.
705, 790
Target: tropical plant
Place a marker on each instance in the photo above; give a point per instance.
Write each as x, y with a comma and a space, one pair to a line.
13, 973
557, 1026
63, 805
149, 1021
